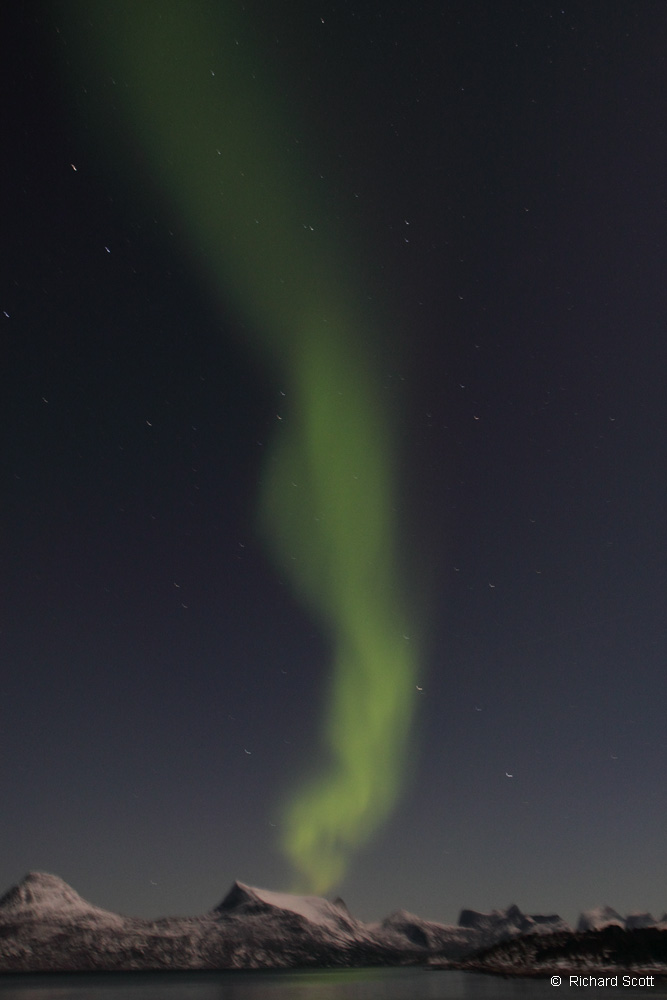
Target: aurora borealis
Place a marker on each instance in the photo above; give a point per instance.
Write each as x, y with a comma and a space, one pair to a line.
334, 543
328, 494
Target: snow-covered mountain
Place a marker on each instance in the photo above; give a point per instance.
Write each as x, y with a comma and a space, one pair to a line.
46, 926
605, 916
501, 924
43, 897
243, 900
609, 949
604, 941
599, 917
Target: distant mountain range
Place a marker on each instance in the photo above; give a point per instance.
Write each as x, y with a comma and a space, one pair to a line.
610, 949
45, 926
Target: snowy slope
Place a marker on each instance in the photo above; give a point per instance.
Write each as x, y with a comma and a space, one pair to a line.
438, 939
599, 917
501, 924
245, 899
605, 916
44, 897
46, 926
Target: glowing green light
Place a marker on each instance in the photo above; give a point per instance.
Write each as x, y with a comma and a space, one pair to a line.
327, 508
190, 91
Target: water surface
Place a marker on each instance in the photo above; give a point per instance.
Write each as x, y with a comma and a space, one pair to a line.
324, 984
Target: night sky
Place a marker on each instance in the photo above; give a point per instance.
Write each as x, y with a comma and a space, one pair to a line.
498, 172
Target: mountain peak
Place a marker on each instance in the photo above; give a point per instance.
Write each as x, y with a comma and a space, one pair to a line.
511, 921
41, 890
40, 895
246, 899
598, 917
482, 921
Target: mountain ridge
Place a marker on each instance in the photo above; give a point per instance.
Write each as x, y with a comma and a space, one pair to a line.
610, 949
46, 926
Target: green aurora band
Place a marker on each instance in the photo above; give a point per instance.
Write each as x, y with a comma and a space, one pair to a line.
184, 81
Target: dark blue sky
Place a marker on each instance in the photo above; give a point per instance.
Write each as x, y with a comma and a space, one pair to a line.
505, 166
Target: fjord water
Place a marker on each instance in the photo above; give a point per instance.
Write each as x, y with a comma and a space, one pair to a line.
324, 984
